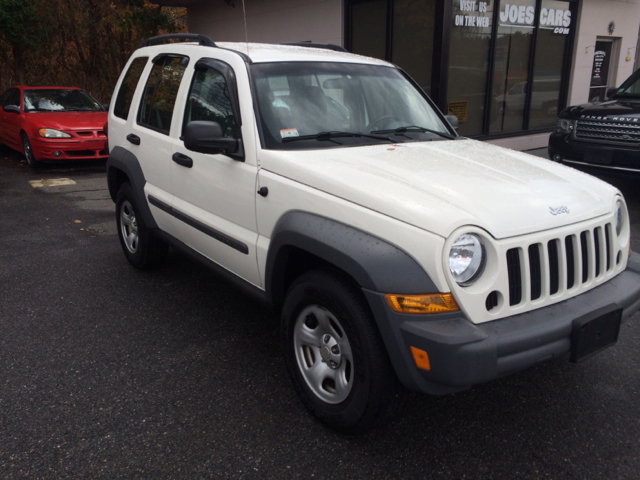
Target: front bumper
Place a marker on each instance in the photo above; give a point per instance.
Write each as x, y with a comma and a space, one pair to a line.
595, 154
92, 148
463, 354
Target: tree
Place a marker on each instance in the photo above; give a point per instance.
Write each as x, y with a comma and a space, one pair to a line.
84, 43
22, 31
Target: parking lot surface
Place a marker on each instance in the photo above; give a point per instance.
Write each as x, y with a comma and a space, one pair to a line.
109, 372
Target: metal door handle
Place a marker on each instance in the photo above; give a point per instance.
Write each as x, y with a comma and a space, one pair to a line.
183, 160
133, 139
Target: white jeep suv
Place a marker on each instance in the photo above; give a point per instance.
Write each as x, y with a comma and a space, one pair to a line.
397, 253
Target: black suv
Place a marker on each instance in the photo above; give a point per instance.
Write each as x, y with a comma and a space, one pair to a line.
605, 135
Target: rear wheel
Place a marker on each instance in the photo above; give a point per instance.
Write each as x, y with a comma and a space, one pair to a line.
335, 356
142, 249
28, 152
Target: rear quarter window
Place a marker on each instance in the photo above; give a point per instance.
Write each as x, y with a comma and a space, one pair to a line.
128, 87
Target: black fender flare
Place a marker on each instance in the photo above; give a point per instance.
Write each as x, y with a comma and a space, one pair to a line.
372, 262
122, 160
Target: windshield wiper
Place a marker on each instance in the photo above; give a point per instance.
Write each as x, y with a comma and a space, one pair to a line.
329, 136
414, 128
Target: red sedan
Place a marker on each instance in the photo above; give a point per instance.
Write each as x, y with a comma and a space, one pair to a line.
52, 123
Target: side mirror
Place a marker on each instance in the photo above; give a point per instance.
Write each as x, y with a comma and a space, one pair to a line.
611, 91
206, 137
11, 108
453, 121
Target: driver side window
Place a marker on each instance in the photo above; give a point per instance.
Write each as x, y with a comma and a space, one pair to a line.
10, 97
209, 100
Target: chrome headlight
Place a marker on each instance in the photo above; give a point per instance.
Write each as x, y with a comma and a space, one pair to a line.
51, 133
619, 217
565, 125
466, 259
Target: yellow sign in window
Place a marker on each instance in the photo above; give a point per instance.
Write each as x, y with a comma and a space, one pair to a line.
459, 109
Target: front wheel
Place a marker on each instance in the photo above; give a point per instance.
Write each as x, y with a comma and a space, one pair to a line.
335, 356
28, 152
142, 249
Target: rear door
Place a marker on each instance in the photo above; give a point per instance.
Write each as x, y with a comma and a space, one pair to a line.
148, 133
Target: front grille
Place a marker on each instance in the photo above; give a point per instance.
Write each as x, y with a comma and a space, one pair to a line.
84, 153
555, 266
515, 277
601, 130
91, 133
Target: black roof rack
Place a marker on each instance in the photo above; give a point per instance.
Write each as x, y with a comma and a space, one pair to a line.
201, 39
325, 46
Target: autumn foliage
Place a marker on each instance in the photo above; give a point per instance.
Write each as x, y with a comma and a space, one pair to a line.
85, 43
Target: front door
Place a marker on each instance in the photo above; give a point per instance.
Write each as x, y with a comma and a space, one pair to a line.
215, 195
10, 121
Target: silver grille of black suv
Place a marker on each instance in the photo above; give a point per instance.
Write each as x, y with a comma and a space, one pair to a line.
599, 130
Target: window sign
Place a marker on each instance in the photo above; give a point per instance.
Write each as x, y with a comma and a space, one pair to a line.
598, 72
517, 15
472, 14
556, 19
471, 27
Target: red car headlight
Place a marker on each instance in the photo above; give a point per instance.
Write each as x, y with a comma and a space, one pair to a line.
51, 133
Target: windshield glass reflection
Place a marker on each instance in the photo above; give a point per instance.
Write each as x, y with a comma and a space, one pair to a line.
59, 100
306, 99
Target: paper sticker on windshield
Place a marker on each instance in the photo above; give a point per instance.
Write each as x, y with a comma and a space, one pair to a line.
289, 132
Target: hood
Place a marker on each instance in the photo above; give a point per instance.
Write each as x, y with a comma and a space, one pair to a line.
68, 120
442, 185
619, 110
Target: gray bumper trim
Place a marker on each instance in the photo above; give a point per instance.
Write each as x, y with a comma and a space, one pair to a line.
463, 354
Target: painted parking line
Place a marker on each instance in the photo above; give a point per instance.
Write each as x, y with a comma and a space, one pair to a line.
52, 182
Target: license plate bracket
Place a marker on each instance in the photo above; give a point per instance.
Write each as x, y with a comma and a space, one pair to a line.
594, 332
600, 156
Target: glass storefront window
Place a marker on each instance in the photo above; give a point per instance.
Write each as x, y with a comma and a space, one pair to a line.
554, 26
511, 65
369, 28
468, 63
501, 63
412, 42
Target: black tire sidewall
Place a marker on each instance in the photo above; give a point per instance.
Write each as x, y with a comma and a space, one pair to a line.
150, 251
30, 158
336, 295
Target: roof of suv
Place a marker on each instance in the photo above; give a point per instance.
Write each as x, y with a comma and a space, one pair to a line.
265, 52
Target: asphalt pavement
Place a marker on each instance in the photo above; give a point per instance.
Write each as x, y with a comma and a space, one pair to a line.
109, 372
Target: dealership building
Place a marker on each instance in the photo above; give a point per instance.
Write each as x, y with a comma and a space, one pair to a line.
504, 68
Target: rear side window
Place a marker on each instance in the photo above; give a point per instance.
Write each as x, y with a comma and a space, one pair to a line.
10, 97
156, 108
128, 87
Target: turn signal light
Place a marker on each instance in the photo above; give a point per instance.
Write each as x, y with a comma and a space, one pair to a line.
421, 358
422, 303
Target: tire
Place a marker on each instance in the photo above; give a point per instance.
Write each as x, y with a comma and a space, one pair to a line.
334, 354
27, 151
143, 250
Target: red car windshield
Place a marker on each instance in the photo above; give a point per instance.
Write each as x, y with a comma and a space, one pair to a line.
59, 100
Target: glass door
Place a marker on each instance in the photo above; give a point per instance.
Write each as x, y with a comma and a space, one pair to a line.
600, 70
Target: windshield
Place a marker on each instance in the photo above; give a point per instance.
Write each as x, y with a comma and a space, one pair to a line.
349, 104
59, 100
631, 87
